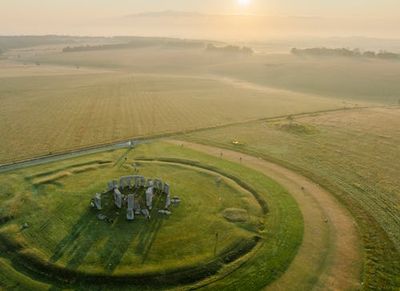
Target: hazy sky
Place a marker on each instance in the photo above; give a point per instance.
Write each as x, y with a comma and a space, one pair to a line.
73, 16
378, 8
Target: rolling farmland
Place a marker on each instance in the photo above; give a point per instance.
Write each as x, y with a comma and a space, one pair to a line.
324, 130
342, 78
42, 114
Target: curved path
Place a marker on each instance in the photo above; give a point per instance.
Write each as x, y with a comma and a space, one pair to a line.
329, 257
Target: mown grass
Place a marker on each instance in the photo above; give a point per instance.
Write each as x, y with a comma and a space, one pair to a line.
65, 238
282, 237
352, 154
88, 241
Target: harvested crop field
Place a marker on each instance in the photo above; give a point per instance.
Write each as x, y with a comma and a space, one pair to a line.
40, 115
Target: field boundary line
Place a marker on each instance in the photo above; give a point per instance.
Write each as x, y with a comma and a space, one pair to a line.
124, 142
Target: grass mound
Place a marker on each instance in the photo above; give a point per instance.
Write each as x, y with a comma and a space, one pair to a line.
297, 128
235, 214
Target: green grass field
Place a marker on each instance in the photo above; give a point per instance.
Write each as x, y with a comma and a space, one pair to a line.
351, 153
64, 233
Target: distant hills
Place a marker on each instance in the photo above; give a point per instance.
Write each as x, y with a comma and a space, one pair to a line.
166, 13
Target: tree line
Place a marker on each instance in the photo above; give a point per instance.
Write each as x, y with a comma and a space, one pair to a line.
138, 43
344, 52
230, 49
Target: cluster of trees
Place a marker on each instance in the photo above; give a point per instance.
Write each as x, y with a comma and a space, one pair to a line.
24, 41
343, 52
101, 47
230, 49
138, 43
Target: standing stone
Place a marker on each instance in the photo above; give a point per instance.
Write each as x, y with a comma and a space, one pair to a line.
110, 186
130, 215
142, 181
158, 184
149, 183
166, 189
136, 182
115, 184
124, 182
117, 198
167, 201
176, 200
149, 197
131, 182
131, 201
97, 201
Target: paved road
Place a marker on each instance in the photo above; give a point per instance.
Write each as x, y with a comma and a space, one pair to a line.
72, 154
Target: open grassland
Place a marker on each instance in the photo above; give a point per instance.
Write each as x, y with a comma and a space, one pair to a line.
143, 60
354, 154
343, 78
64, 233
329, 256
9, 69
46, 114
79, 241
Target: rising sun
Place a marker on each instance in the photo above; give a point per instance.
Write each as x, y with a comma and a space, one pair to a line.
244, 2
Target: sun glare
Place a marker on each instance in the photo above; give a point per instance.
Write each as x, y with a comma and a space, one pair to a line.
243, 2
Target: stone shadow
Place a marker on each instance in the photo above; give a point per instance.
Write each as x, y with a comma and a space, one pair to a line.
80, 227
149, 232
117, 245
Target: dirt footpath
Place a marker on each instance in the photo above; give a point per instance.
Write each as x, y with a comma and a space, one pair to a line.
329, 257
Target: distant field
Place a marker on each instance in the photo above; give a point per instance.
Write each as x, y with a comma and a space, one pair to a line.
42, 113
344, 78
11, 69
354, 154
145, 60
52, 101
